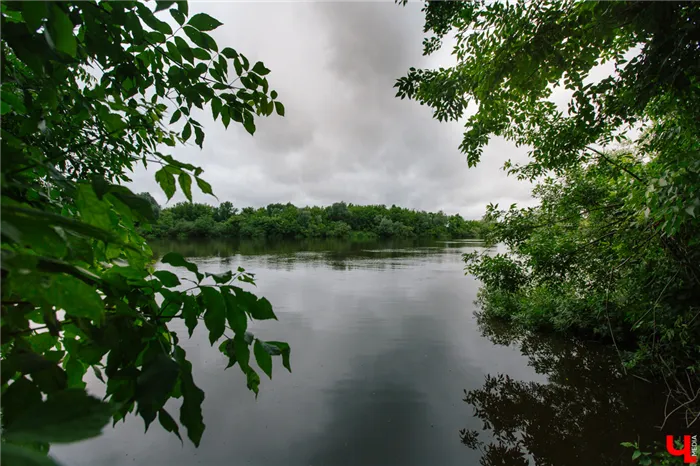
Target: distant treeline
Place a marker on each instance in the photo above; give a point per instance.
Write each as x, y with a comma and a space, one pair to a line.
340, 220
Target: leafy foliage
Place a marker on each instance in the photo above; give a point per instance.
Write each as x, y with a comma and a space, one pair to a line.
512, 56
612, 249
340, 220
89, 90
660, 457
588, 261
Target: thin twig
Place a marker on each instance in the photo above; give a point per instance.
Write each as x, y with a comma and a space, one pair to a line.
609, 160
607, 316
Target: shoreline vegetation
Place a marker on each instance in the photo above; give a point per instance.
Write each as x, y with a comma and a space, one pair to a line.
187, 220
611, 249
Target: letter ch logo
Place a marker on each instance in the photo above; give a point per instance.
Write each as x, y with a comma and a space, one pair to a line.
689, 450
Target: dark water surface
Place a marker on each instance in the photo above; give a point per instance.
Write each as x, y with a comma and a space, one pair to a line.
385, 350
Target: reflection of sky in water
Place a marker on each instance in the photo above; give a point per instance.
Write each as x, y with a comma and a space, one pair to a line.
384, 344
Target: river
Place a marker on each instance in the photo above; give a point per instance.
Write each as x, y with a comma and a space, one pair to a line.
390, 367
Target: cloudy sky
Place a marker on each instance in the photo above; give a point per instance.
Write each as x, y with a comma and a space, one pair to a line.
345, 137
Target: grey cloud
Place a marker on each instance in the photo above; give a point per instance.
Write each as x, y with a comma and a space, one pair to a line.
345, 136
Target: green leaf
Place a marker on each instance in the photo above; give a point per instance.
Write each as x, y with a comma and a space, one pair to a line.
221, 277
227, 348
215, 315
195, 36
279, 108
167, 278
201, 54
66, 416
263, 358
273, 94
204, 186
166, 180
186, 185
25, 362
176, 116
260, 69
187, 132
92, 210
61, 291
168, 423
155, 37
191, 409
199, 136
215, 107
34, 14
176, 260
174, 53
177, 16
183, 7
163, 5
228, 52
285, 350
135, 202
249, 124
242, 351
248, 82
61, 31
253, 380
98, 373
636, 454
18, 215
12, 102
75, 371
236, 317
42, 342
190, 312
17, 455
204, 22
184, 49
150, 19
261, 310
19, 397
4, 107
154, 385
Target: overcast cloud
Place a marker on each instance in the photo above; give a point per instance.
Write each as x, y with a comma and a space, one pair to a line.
345, 137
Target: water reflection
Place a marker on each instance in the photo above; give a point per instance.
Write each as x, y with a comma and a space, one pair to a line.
335, 253
384, 342
587, 407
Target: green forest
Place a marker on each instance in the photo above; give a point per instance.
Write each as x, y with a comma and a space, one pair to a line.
340, 220
93, 89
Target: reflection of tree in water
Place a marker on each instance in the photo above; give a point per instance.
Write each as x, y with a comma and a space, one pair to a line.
579, 417
338, 254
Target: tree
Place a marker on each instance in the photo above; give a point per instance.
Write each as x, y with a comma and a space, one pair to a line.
338, 212
89, 90
187, 219
612, 249
224, 211
154, 204
510, 58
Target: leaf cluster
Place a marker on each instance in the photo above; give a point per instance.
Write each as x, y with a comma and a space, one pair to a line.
89, 90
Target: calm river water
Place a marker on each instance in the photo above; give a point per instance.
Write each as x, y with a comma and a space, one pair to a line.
390, 367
